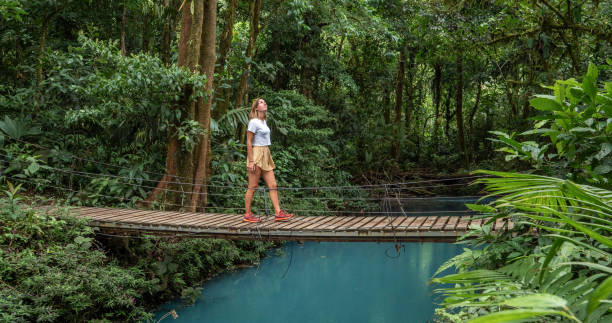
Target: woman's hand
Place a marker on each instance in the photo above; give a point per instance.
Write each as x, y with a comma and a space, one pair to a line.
251, 166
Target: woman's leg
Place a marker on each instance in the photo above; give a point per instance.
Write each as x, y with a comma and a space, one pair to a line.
271, 182
253, 181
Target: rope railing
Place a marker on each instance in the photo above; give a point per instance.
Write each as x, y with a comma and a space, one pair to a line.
360, 212
344, 187
95, 176
372, 192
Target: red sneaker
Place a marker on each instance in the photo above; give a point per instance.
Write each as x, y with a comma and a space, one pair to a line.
283, 216
250, 218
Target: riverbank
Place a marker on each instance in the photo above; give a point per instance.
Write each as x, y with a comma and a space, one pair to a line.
59, 270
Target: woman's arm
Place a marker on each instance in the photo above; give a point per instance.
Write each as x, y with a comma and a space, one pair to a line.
250, 162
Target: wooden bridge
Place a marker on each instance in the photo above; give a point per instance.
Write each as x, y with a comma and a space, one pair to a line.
318, 228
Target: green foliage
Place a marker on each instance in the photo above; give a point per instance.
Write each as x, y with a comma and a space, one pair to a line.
52, 268
577, 124
18, 128
11, 9
555, 262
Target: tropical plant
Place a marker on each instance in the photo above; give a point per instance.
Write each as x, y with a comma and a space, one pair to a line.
566, 276
577, 121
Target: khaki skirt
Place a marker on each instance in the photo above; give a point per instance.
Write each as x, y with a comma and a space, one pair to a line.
263, 158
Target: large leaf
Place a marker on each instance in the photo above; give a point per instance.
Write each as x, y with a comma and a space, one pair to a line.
546, 103
536, 301
602, 292
515, 315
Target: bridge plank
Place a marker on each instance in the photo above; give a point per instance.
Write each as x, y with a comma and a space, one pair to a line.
320, 228
200, 220
417, 223
294, 223
320, 220
225, 220
237, 223
463, 223
336, 224
138, 217
370, 224
334, 219
452, 222
428, 223
440, 223
344, 226
357, 224
476, 222
166, 218
280, 225
407, 222
384, 222
113, 215
377, 224
210, 220
306, 225
99, 213
399, 223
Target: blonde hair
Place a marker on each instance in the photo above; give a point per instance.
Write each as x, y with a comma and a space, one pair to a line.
253, 112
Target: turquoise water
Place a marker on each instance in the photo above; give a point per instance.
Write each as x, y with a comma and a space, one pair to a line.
325, 282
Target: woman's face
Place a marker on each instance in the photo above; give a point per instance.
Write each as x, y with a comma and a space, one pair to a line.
262, 106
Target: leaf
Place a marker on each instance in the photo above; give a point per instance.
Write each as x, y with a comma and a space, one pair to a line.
514, 315
551, 253
536, 301
590, 265
582, 129
600, 293
602, 169
606, 148
546, 103
481, 208
589, 82
559, 90
33, 168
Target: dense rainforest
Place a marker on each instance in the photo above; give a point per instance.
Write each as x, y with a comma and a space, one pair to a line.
144, 104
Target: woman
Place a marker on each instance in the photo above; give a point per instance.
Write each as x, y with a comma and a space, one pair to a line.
259, 161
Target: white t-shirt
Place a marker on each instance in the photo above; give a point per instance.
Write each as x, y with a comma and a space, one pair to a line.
261, 131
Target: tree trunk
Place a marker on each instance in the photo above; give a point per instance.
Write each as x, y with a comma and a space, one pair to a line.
179, 164
225, 45
123, 18
459, 110
386, 105
409, 92
207, 62
447, 113
41, 51
254, 11
166, 35
437, 95
187, 162
145, 33
399, 88
471, 118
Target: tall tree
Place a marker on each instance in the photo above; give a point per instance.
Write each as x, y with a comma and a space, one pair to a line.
254, 12
222, 94
459, 110
399, 89
180, 162
207, 62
